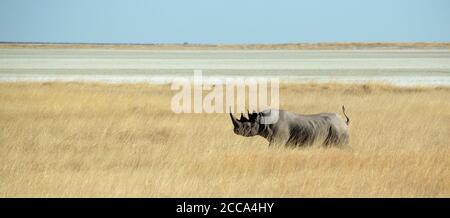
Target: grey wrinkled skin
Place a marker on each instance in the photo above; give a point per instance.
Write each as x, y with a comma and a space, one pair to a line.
292, 129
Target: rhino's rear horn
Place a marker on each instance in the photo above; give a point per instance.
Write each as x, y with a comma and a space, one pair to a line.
243, 118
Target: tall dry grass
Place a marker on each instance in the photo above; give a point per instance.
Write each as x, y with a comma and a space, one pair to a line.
85, 140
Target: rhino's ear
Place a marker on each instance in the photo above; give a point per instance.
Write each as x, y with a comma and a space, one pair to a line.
259, 117
253, 116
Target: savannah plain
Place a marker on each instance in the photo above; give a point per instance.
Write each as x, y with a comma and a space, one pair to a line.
122, 140
97, 139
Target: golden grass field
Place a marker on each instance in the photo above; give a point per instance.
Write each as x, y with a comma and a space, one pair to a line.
106, 140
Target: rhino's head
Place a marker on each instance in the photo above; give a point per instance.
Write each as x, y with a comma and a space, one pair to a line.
246, 126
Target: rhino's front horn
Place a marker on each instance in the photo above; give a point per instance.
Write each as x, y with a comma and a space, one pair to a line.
235, 122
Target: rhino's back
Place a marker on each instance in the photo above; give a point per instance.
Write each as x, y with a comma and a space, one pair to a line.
305, 129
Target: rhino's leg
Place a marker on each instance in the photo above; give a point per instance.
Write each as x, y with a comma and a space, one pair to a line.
278, 139
344, 138
331, 138
283, 138
335, 138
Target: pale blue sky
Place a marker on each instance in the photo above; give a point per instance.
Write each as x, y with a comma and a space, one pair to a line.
227, 21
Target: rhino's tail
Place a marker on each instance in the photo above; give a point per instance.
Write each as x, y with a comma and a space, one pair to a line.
343, 111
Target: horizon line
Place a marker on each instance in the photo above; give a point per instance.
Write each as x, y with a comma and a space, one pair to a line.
246, 46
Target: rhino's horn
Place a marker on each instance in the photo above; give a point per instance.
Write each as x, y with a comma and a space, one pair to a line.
235, 122
243, 118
